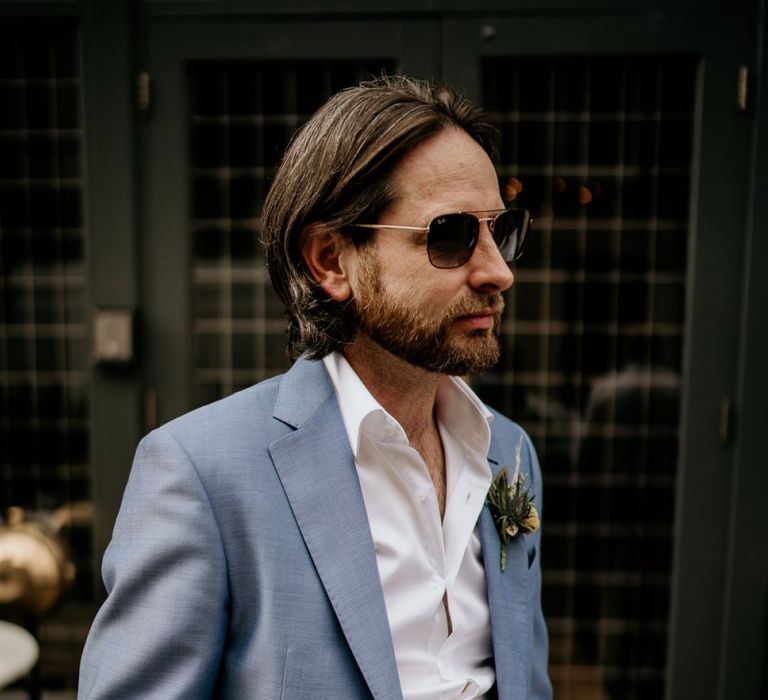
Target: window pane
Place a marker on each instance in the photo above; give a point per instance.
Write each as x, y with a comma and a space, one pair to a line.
243, 115
600, 151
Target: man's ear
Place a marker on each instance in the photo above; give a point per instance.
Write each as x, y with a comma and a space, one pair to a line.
323, 251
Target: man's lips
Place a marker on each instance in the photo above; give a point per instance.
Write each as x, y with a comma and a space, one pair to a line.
480, 319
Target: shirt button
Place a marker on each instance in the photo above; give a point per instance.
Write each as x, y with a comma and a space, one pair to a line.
422, 497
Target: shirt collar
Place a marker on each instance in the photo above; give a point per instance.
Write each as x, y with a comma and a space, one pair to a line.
459, 410
463, 415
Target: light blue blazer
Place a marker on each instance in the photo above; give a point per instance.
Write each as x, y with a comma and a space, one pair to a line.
242, 564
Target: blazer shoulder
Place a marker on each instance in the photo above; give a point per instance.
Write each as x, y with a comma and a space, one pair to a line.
506, 435
241, 426
256, 399
505, 429
228, 421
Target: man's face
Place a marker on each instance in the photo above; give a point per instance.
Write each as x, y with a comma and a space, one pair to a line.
426, 340
444, 321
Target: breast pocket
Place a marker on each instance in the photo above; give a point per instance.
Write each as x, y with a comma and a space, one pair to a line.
532, 554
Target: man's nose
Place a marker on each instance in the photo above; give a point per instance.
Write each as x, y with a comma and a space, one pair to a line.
489, 271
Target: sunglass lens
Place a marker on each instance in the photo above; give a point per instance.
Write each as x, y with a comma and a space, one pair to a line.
452, 239
509, 231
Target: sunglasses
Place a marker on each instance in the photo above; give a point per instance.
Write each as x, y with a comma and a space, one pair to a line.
452, 238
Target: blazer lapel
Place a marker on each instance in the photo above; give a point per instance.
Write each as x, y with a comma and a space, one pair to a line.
317, 470
508, 602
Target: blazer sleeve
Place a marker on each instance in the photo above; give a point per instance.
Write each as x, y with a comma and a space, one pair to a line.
161, 631
540, 686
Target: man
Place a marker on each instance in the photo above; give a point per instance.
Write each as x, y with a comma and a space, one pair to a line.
324, 534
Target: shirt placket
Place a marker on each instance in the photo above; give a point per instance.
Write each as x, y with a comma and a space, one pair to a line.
464, 503
419, 483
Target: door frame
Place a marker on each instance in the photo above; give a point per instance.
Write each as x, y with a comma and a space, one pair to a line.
719, 203
706, 644
165, 138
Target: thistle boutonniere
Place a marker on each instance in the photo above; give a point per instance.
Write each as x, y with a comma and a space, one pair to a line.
512, 507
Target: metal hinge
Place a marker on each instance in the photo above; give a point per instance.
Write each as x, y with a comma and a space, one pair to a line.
742, 88
726, 420
144, 93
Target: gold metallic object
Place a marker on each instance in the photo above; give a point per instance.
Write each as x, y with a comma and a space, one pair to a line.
144, 93
35, 568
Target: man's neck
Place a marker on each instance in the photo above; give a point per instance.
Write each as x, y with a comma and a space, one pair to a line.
408, 394
405, 391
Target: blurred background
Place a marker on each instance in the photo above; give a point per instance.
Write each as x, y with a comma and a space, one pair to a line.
137, 141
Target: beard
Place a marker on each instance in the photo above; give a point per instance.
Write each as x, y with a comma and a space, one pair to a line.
428, 343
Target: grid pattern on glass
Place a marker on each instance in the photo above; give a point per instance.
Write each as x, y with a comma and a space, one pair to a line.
600, 151
242, 117
44, 403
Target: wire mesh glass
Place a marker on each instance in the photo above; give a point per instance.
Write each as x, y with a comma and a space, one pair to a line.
600, 150
44, 356
242, 117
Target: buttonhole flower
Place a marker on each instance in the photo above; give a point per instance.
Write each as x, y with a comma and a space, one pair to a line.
512, 507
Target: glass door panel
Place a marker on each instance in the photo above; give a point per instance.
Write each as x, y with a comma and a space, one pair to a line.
600, 150
625, 138
45, 407
633, 163
229, 95
242, 116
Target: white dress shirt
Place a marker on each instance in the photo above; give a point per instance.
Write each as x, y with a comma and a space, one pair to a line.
420, 557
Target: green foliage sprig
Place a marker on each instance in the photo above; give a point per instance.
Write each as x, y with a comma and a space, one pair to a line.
512, 509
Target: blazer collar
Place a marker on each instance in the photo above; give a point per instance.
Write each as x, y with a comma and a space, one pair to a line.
317, 470
315, 465
303, 388
508, 597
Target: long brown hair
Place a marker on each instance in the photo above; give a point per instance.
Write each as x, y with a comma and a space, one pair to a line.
337, 172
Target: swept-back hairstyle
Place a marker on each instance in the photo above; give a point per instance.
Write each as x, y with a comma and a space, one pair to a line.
336, 172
